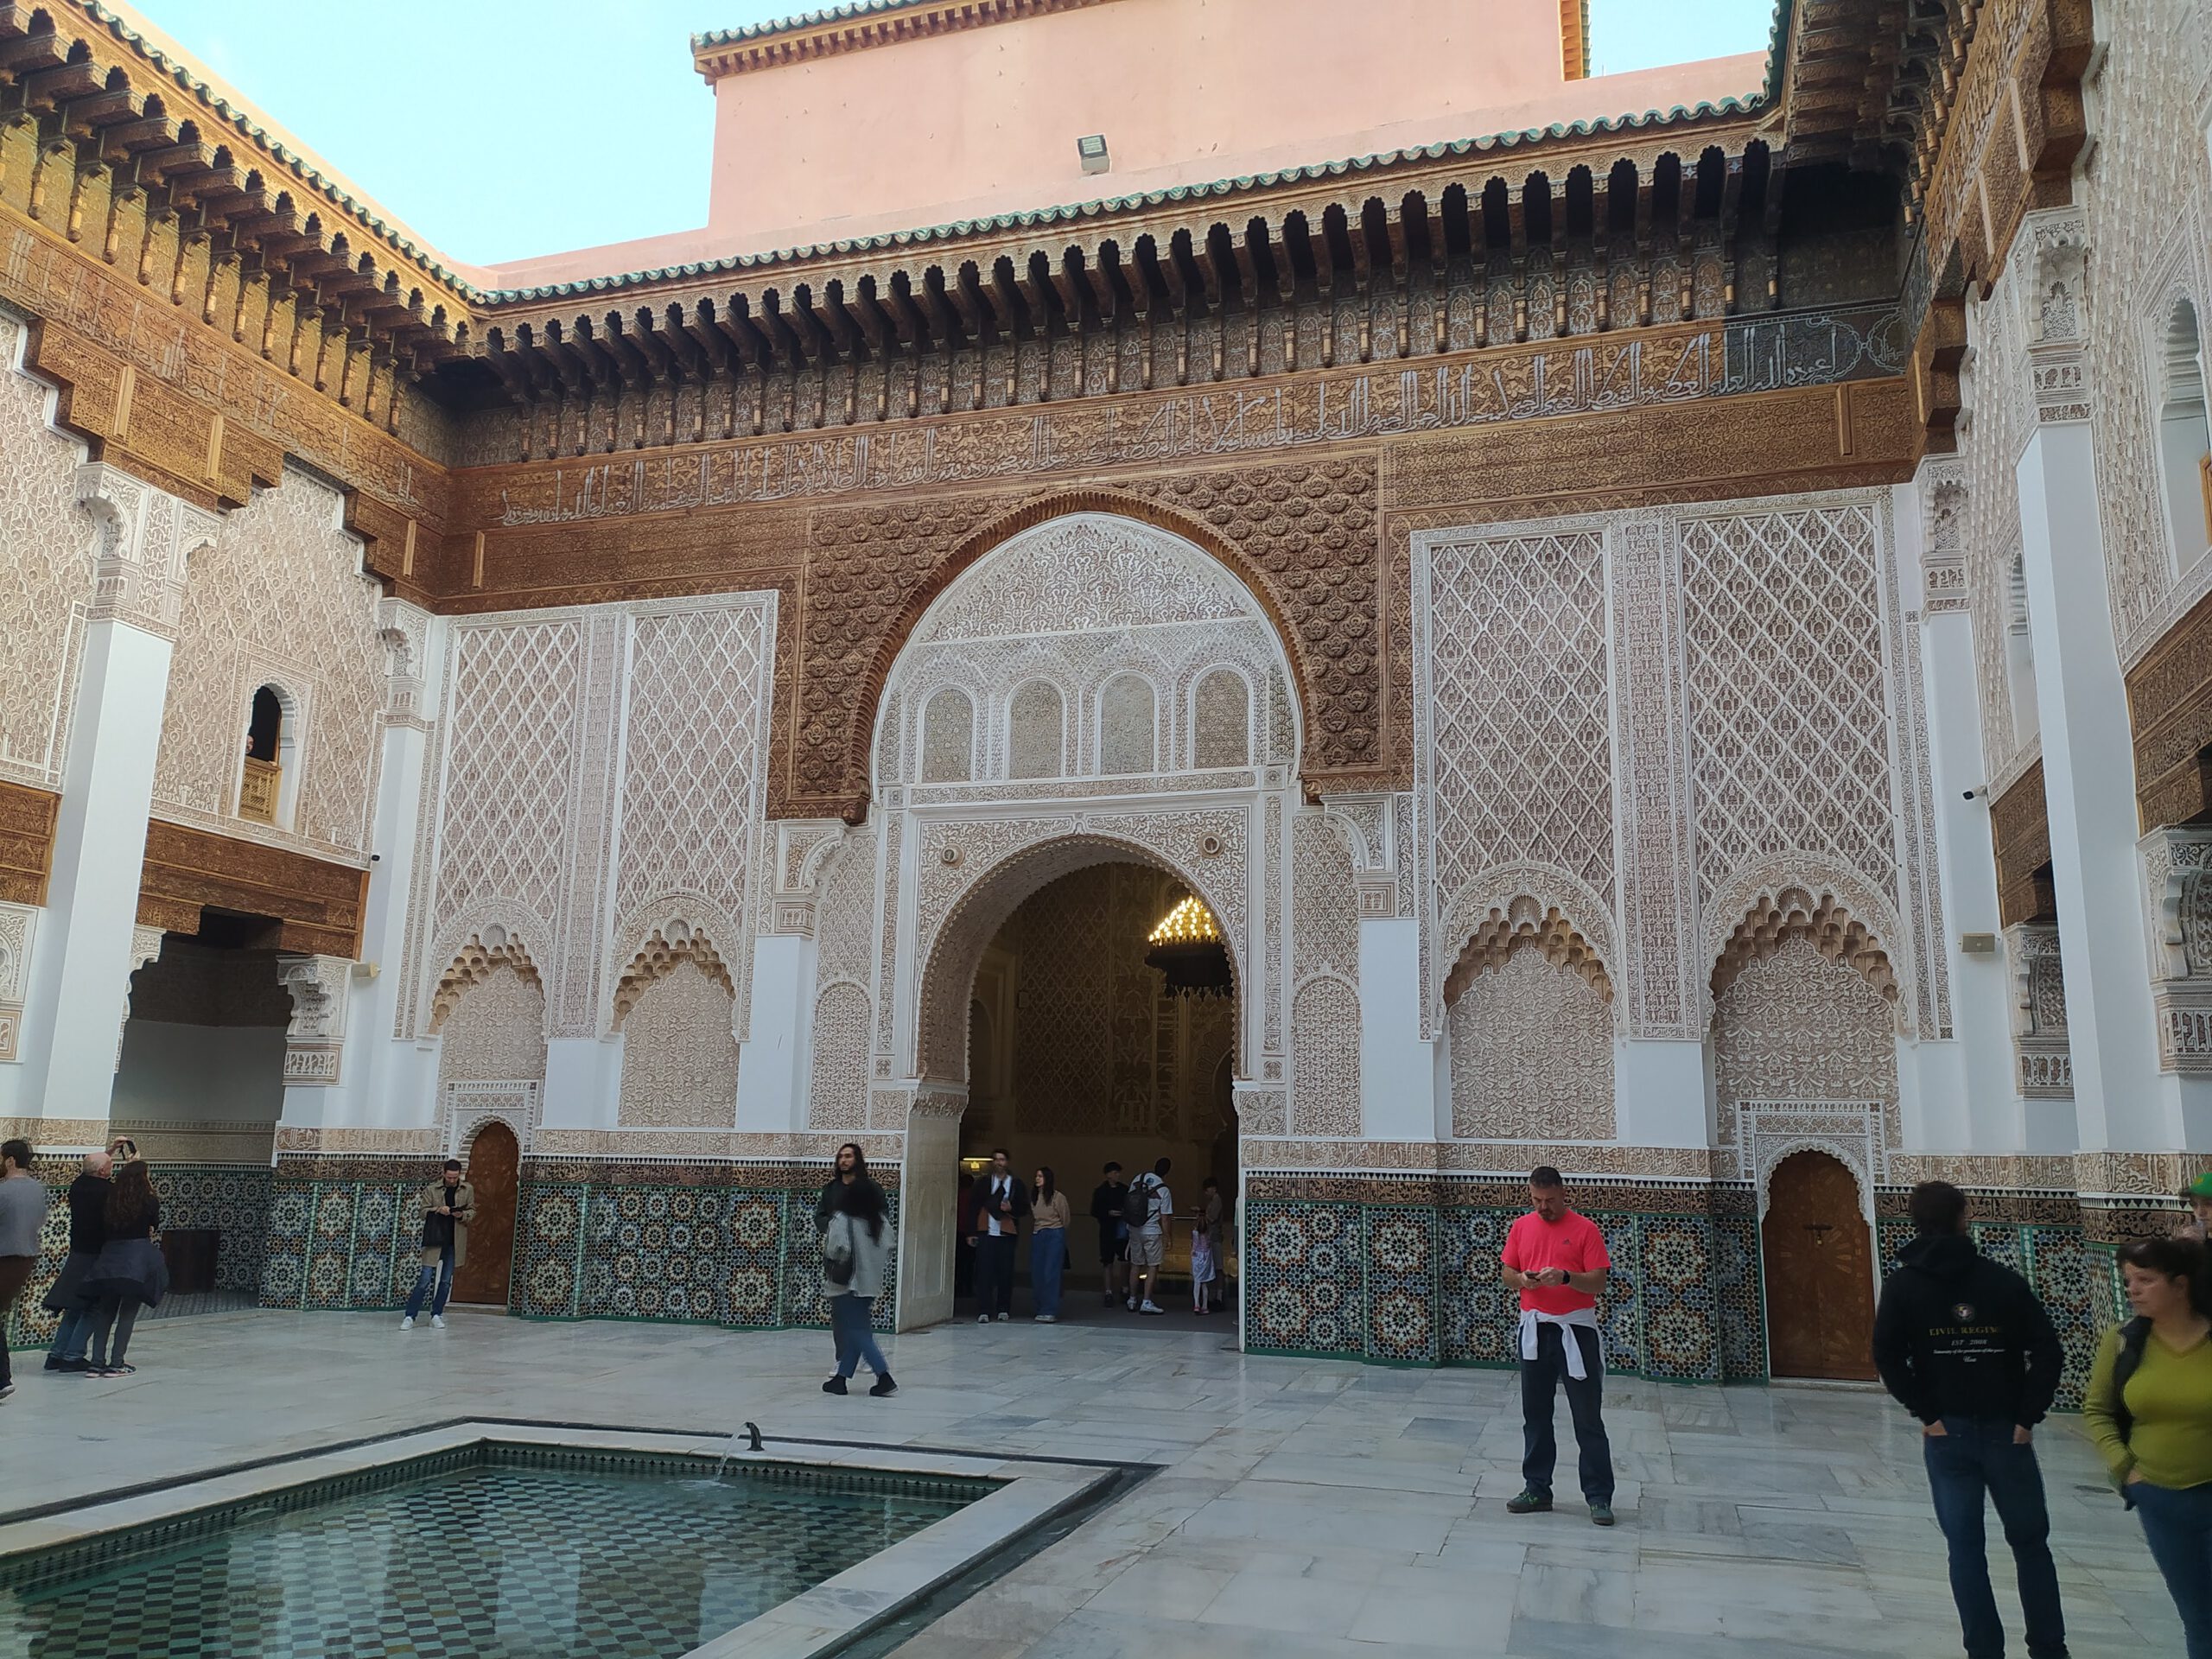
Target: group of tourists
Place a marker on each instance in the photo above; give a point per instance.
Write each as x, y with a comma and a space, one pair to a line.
114, 1266
1962, 1343
1133, 1219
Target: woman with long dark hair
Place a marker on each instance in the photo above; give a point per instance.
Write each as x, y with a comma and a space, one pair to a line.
855, 1250
1051, 1217
129, 1272
2150, 1411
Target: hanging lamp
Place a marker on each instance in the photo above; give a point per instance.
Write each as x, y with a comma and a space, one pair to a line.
1186, 946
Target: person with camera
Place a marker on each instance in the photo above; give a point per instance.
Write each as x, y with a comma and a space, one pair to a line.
446, 1205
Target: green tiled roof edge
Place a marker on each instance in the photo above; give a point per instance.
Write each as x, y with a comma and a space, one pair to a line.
1747, 105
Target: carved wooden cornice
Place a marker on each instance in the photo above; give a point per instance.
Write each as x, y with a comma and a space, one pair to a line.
2019, 825
27, 820
137, 154
2170, 710
319, 905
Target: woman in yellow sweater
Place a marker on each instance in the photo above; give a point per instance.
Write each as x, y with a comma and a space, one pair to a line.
2150, 1412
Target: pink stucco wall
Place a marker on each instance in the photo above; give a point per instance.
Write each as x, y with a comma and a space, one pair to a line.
985, 121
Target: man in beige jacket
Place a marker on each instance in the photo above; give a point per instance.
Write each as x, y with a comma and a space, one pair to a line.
446, 1207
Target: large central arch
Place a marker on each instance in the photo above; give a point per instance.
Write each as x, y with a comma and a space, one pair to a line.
1094, 689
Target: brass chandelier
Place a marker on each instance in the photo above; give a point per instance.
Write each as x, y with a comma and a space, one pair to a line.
1187, 947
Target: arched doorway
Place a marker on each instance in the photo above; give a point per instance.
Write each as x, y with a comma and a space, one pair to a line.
1067, 922
494, 1167
1820, 1271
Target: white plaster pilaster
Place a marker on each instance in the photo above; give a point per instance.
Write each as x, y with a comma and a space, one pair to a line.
2121, 1100
1963, 1095
80, 975
775, 1059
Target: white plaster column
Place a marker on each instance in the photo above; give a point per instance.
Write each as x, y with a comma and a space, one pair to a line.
392, 1083
2122, 1102
1397, 1070
1660, 1094
80, 976
925, 1198
1963, 1095
775, 1061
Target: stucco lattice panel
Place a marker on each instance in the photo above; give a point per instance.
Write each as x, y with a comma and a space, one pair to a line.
838, 1091
1223, 736
679, 1056
1790, 745
1519, 708
1796, 1026
691, 794
46, 576
1324, 1059
279, 598
1532, 1055
513, 747
1081, 575
1127, 740
1036, 731
1324, 901
844, 917
948, 738
496, 1033
2148, 213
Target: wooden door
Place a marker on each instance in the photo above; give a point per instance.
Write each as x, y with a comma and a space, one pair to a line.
1820, 1272
494, 1170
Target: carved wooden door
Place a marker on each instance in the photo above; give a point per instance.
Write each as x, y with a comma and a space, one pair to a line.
1820, 1272
494, 1170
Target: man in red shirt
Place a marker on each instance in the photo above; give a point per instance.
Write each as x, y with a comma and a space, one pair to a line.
1556, 1259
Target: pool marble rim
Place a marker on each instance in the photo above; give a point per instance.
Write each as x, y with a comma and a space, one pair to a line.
840, 1610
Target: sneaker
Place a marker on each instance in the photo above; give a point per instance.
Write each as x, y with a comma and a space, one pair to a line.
883, 1388
1601, 1515
1132, 1304
6, 1389
1048, 1319
437, 1321
1152, 1307
835, 1385
983, 1319
1107, 1300
1003, 1317
407, 1324
54, 1362
1530, 1501
77, 1366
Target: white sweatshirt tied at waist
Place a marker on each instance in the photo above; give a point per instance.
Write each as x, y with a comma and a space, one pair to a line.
1585, 1317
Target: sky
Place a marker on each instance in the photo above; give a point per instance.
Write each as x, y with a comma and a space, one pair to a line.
610, 126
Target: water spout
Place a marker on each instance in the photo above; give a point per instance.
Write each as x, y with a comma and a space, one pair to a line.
751, 1430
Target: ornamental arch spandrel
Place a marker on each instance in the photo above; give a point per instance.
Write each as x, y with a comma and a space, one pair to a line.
1302, 538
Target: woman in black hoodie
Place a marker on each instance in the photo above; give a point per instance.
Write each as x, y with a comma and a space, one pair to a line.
1963, 1345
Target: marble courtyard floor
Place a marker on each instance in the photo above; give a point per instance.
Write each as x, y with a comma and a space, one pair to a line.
1301, 1507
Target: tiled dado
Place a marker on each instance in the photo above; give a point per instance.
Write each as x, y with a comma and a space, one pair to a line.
1404, 1270
342, 1233
231, 1201
729, 1245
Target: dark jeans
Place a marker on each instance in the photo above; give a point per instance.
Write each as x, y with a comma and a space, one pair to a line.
1540, 1377
854, 1336
71, 1334
995, 1273
1967, 1459
120, 1313
442, 1275
15, 1274
2177, 1525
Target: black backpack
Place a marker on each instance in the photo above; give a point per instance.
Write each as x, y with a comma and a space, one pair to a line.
1136, 1203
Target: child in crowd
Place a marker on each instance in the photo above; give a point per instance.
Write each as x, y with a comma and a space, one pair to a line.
1202, 1265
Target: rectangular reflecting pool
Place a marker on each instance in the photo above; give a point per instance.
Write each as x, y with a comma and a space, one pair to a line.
515, 1551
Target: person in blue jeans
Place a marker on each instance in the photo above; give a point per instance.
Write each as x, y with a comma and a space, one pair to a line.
446, 1207
855, 1260
1050, 1217
1963, 1345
